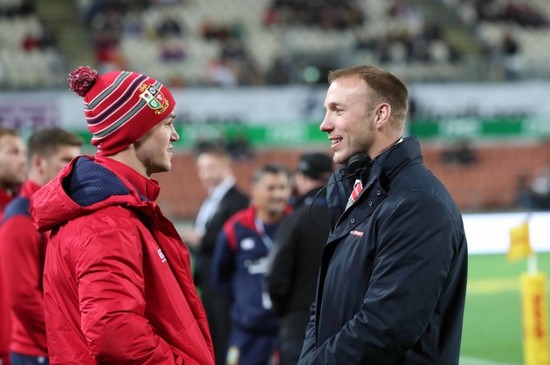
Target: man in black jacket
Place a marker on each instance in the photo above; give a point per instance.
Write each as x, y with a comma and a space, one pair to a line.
296, 256
392, 281
224, 199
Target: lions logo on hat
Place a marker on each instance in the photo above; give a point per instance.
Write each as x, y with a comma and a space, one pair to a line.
154, 98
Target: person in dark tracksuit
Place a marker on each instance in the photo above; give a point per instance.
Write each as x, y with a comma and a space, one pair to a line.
294, 261
239, 264
392, 281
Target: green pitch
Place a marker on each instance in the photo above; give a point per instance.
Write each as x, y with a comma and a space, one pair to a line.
492, 332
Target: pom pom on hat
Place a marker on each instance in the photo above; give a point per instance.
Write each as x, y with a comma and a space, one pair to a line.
82, 79
120, 106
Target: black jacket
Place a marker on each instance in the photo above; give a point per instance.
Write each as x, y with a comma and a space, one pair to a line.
232, 202
392, 281
295, 260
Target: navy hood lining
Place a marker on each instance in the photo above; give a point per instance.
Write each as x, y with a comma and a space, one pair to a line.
90, 183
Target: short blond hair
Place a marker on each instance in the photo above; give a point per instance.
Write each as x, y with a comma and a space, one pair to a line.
7, 131
385, 86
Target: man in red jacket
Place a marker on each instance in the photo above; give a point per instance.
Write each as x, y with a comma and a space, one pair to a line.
117, 277
21, 246
13, 170
13, 165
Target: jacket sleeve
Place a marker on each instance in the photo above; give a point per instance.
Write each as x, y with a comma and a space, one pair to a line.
111, 290
23, 262
414, 253
309, 341
282, 265
223, 261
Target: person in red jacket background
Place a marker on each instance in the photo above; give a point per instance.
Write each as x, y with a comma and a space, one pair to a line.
21, 246
13, 165
117, 278
13, 171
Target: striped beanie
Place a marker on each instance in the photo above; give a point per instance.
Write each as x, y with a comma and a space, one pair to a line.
120, 106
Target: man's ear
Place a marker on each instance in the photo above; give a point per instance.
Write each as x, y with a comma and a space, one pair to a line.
38, 163
382, 116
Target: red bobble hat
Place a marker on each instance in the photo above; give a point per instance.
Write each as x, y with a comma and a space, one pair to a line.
120, 106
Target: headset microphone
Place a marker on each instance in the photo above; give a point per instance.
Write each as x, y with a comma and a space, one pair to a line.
353, 166
357, 162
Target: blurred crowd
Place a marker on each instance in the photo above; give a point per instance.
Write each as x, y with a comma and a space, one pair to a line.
187, 48
29, 56
234, 64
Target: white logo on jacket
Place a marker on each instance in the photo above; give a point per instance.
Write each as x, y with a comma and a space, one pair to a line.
247, 243
161, 255
258, 266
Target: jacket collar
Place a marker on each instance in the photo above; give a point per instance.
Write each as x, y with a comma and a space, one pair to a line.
5, 198
82, 187
394, 159
378, 172
28, 188
147, 188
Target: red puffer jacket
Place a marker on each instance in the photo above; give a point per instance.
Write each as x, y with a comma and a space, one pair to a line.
117, 281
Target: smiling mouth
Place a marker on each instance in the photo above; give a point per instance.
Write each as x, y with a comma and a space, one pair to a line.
335, 141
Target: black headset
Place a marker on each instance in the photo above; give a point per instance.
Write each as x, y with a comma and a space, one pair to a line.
353, 166
356, 162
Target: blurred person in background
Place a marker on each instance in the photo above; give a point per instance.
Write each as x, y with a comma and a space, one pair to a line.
294, 261
540, 187
393, 273
524, 199
215, 171
118, 287
13, 165
239, 265
21, 246
13, 171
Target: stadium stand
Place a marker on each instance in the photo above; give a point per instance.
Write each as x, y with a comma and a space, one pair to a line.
511, 33
424, 40
28, 55
242, 42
